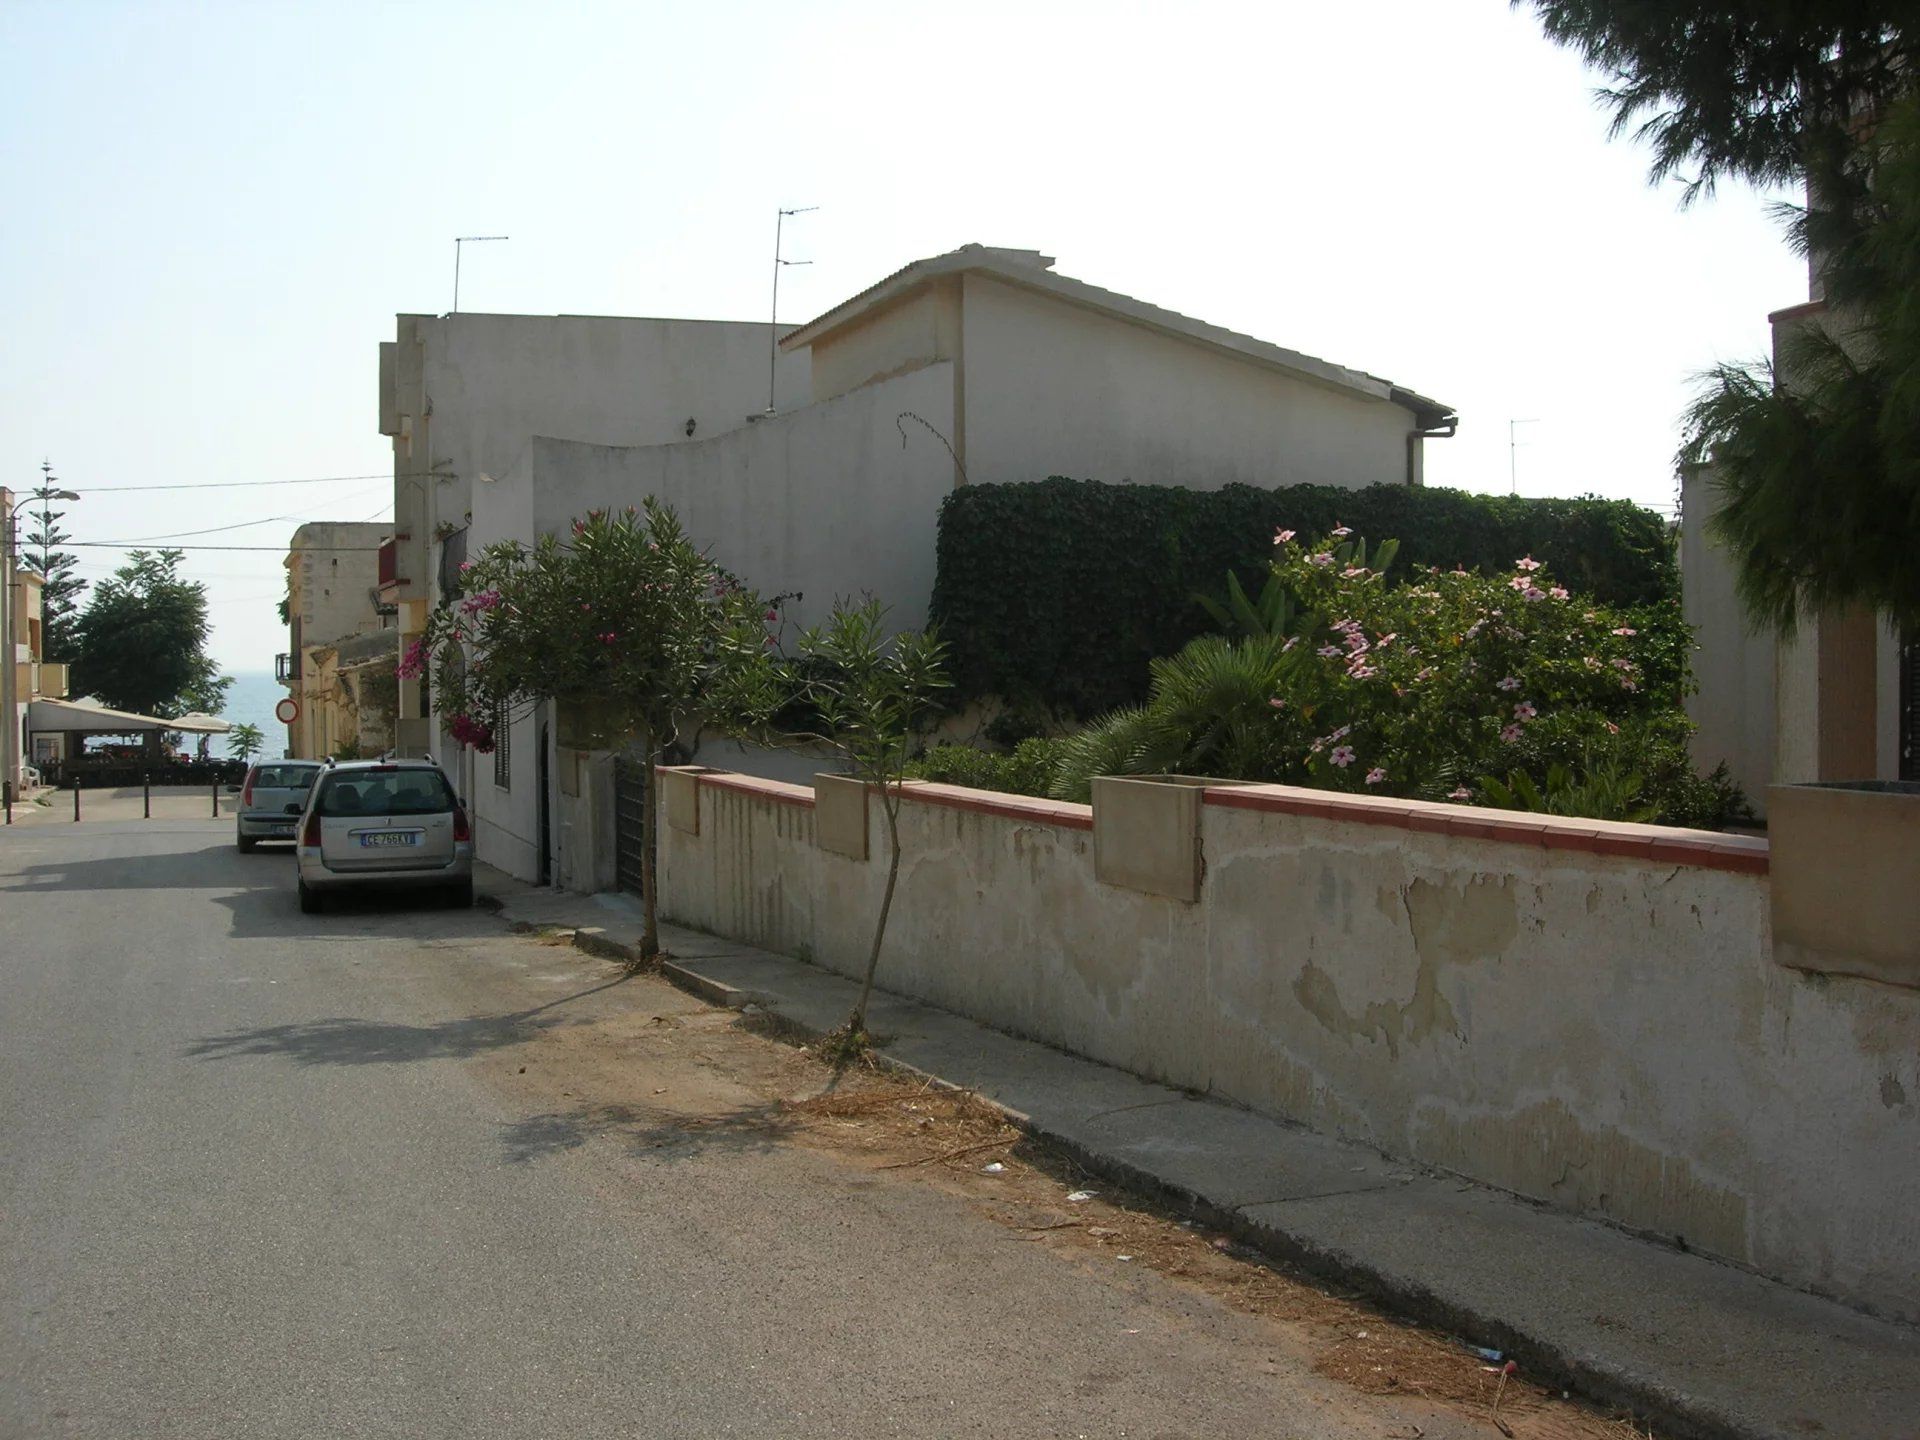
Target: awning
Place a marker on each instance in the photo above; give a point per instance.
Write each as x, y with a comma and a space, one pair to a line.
82, 716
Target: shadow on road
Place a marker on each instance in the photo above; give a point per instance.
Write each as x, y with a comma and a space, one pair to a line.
651, 1134
201, 867
343, 1041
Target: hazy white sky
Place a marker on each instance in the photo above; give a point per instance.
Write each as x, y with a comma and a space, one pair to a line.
214, 211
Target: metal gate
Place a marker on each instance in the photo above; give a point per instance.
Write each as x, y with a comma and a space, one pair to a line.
629, 822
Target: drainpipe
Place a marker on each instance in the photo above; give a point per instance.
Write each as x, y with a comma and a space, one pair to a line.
1430, 423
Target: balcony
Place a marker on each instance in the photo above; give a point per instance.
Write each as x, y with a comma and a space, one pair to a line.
389, 563
286, 668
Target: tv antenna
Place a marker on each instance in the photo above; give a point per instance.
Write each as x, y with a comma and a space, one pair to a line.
1513, 454
458, 241
773, 340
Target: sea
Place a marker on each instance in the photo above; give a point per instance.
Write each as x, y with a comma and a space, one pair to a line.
250, 700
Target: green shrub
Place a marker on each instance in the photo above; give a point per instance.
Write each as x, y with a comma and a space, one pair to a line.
1426, 689
1060, 593
1027, 770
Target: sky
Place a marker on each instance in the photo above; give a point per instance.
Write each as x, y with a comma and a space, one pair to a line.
214, 212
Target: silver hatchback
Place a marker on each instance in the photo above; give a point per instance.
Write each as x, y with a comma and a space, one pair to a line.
384, 824
271, 800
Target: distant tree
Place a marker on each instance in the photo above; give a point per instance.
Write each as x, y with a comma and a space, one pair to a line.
244, 741
60, 588
1818, 466
141, 642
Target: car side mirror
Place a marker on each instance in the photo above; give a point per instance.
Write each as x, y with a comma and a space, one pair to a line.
295, 809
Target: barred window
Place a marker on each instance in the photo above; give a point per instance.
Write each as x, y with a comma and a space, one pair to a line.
502, 747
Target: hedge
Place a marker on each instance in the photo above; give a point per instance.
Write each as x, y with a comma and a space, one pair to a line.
1057, 593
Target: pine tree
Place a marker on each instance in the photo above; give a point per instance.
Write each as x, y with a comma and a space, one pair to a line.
61, 588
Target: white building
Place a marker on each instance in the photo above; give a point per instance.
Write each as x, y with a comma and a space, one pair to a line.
981, 365
463, 397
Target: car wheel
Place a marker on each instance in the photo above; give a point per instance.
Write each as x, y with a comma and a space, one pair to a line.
460, 896
246, 845
309, 900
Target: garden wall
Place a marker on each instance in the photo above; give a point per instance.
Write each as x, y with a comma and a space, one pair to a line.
1585, 1013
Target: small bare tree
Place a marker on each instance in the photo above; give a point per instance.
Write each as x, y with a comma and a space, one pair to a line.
866, 693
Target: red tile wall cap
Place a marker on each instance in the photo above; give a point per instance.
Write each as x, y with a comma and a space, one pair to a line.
1705, 849
778, 791
1030, 808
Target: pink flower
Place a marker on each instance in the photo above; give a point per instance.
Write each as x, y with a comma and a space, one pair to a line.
1524, 710
1526, 562
1328, 650
1342, 756
1356, 643
1423, 673
773, 614
465, 565
1277, 703
1510, 683
1341, 733
1281, 537
1352, 571
1626, 630
1593, 664
1292, 640
1341, 530
1559, 592
1360, 671
1519, 582
1534, 592
1510, 734
1386, 640
1619, 664
584, 607
1376, 775
1612, 729
1345, 626
609, 637
1460, 793
1323, 560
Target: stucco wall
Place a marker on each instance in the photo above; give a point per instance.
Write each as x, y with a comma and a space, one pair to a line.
923, 328
1735, 704
333, 570
1587, 1014
1056, 389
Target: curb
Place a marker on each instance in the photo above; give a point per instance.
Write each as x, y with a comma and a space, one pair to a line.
1678, 1415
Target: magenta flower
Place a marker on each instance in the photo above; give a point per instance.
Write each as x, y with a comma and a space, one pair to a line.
465, 565
1526, 562
1524, 710
1342, 756
773, 615
1510, 683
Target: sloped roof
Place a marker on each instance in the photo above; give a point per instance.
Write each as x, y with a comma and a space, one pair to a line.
91, 716
1033, 270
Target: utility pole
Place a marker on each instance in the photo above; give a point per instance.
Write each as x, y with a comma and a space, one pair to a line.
458, 241
1513, 454
9, 653
773, 339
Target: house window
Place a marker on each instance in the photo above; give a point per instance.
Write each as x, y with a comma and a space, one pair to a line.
1910, 708
502, 747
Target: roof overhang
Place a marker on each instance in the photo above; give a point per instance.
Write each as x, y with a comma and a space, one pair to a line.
1032, 270
77, 715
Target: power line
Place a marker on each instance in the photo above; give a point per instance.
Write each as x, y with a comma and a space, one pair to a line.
266, 549
241, 524
253, 484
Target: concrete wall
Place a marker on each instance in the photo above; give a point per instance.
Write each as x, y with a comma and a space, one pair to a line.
333, 571
824, 501
921, 329
1584, 1013
1734, 665
1053, 388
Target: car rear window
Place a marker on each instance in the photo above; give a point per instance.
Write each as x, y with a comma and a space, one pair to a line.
285, 777
386, 792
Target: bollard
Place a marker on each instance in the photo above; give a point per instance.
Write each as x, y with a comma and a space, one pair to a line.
146, 796
216, 797
76, 799
6, 790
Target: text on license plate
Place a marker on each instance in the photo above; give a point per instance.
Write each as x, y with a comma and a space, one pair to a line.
378, 838
281, 830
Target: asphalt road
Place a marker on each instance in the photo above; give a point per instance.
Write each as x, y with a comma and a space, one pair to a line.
254, 1183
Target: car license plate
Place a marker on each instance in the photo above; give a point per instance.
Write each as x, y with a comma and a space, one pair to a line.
280, 832
376, 839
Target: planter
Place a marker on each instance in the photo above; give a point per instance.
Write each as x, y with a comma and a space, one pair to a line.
1845, 868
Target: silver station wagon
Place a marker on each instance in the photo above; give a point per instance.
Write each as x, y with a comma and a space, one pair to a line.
384, 824
271, 800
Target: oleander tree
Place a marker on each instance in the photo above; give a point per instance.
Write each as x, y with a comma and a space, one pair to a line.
626, 623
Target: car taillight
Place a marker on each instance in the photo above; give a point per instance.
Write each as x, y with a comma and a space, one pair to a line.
310, 836
246, 790
461, 830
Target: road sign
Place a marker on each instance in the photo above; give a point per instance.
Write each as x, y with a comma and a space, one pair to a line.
287, 711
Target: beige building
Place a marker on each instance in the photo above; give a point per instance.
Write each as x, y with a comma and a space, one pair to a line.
340, 641
24, 676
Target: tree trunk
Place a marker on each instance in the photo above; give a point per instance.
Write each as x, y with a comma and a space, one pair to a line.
649, 843
890, 806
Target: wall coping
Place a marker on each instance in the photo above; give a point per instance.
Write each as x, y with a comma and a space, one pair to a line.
1662, 844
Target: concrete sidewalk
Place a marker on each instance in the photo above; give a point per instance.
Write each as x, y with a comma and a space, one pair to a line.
1695, 1347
